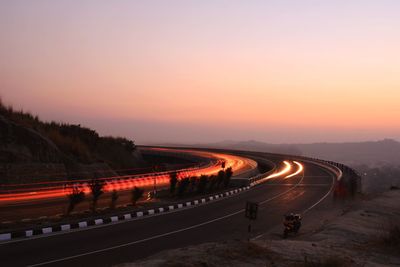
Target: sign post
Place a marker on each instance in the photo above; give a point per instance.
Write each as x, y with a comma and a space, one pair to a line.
156, 169
251, 214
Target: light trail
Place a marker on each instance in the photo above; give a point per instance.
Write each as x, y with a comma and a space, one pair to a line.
299, 170
119, 183
181, 166
284, 171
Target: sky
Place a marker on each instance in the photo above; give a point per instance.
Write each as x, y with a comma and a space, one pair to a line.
205, 71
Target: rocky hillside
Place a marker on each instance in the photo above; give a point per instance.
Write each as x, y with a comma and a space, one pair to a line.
33, 150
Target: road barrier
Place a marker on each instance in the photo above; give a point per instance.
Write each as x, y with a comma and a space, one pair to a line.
26, 233
344, 175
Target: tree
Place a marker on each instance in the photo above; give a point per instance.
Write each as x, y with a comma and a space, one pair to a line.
74, 198
137, 193
212, 182
182, 185
228, 176
193, 181
173, 180
220, 178
96, 188
114, 198
202, 184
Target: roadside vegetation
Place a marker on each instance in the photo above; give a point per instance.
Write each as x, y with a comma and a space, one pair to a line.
327, 262
173, 180
76, 143
390, 239
199, 185
114, 198
74, 198
136, 194
96, 188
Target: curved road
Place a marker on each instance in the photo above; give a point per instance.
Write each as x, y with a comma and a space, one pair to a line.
218, 221
33, 205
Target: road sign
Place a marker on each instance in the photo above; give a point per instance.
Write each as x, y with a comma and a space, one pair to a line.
251, 210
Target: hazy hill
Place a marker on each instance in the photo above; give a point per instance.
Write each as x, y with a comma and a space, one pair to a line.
382, 152
252, 145
385, 152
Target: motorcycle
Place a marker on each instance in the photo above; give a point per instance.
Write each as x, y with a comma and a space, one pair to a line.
292, 224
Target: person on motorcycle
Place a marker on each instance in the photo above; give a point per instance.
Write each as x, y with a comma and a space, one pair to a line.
289, 220
292, 223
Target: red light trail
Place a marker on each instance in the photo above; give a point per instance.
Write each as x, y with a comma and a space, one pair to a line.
63, 188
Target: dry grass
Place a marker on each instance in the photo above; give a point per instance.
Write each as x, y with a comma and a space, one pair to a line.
237, 253
390, 240
327, 262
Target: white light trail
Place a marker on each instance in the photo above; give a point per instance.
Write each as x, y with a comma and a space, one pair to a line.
299, 170
285, 170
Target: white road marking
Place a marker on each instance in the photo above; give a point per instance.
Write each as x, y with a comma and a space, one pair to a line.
116, 221
312, 206
300, 184
162, 235
325, 196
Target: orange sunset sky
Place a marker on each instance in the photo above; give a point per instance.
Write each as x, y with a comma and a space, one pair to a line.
206, 71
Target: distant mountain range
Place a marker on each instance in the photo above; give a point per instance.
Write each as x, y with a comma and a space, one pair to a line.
378, 153
373, 153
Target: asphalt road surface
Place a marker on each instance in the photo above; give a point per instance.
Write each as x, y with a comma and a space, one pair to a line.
16, 210
218, 221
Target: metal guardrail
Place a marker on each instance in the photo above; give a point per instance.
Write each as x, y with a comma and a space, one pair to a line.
348, 181
83, 182
346, 177
48, 185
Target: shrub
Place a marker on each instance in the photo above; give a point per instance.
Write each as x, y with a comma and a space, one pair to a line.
74, 198
212, 182
173, 180
228, 176
137, 193
71, 146
78, 143
391, 239
220, 178
193, 182
182, 186
114, 198
202, 184
116, 151
96, 188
